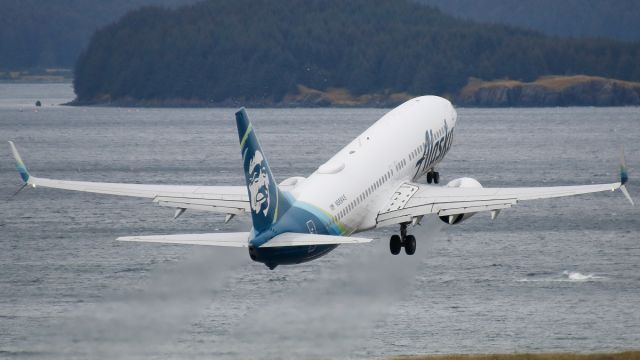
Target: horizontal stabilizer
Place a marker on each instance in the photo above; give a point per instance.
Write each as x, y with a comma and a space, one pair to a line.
298, 239
236, 239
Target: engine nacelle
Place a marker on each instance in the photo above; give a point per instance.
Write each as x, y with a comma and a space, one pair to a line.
464, 182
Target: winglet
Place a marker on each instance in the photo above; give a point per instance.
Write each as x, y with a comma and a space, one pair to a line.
24, 174
624, 178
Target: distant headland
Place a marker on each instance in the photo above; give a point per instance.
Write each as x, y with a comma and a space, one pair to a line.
343, 53
626, 355
548, 91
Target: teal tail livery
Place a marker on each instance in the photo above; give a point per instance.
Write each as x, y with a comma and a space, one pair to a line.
266, 200
387, 176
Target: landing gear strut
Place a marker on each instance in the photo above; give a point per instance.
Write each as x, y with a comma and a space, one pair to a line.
433, 176
397, 242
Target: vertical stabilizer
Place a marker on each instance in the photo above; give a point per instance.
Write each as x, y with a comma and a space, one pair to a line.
265, 198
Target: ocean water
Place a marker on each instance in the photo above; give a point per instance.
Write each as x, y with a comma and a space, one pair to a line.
549, 275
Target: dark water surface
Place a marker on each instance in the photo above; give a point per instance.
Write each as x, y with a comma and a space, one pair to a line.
550, 275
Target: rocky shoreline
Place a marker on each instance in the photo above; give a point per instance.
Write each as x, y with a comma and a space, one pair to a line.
548, 91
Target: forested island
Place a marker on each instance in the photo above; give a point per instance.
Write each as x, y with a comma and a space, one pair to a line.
614, 19
334, 52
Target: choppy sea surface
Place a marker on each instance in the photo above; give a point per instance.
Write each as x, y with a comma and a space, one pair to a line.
549, 275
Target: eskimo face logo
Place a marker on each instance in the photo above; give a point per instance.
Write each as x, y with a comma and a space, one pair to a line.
259, 184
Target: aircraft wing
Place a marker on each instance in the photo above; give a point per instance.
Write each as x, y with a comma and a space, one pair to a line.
412, 200
232, 200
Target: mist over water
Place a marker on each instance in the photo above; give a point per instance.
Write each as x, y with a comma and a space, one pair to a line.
556, 275
334, 315
141, 319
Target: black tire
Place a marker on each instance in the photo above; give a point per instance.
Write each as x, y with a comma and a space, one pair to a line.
395, 244
410, 245
436, 177
429, 177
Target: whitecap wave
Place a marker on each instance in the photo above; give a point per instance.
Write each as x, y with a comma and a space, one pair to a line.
565, 276
577, 276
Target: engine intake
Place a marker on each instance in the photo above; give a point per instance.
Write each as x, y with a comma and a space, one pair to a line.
464, 182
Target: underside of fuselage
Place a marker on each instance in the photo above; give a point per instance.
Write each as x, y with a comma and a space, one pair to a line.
289, 255
300, 218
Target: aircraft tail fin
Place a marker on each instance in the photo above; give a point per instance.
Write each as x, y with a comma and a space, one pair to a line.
266, 200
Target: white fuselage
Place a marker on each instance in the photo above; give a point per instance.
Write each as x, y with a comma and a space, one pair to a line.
402, 146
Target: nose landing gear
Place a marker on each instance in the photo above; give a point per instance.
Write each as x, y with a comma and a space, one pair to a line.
397, 242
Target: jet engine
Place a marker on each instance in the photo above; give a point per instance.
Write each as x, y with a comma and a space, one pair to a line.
464, 182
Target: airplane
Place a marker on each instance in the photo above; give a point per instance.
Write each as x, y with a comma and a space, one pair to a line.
370, 183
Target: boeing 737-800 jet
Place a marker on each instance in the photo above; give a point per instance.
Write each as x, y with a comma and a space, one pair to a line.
372, 182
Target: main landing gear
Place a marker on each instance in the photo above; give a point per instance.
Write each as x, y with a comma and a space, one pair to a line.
433, 177
397, 242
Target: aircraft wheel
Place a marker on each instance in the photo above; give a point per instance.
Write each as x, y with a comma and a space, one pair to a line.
436, 177
429, 177
395, 244
410, 245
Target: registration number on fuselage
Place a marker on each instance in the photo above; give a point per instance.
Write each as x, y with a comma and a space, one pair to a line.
341, 200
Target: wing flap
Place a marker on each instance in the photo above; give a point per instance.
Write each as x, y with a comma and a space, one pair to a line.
237, 239
472, 209
298, 239
221, 203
